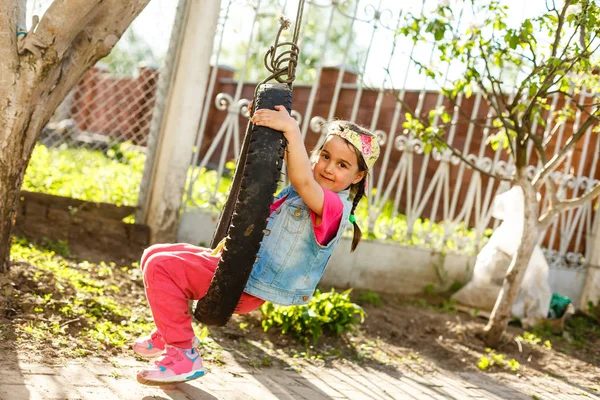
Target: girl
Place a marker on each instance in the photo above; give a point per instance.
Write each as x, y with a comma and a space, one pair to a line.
293, 254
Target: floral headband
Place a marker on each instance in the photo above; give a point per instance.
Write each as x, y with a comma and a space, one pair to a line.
367, 145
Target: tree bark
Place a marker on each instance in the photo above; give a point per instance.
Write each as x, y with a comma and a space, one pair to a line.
502, 310
71, 37
10, 182
9, 16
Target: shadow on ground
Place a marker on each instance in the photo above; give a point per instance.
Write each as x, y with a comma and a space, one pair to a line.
193, 391
12, 383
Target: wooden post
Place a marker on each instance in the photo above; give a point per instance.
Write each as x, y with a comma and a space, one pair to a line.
177, 117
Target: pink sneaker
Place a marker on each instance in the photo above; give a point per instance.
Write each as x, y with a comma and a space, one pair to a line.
153, 345
177, 365
149, 346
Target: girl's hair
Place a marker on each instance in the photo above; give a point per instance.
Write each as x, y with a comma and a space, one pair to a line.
357, 190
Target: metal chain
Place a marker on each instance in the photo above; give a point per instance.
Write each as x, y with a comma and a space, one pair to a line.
282, 66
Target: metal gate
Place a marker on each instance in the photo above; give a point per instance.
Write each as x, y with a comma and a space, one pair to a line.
354, 66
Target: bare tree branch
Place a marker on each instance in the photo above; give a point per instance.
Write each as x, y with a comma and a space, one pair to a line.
507, 123
549, 80
551, 165
490, 101
579, 201
551, 135
566, 47
558, 32
448, 146
64, 20
546, 219
533, 55
550, 184
467, 117
548, 83
579, 105
460, 155
498, 95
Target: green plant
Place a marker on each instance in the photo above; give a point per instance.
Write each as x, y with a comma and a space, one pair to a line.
594, 309
266, 361
456, 286
369, 297
429, 290
533, 340
330, 312
422, 303
583, 330
496, 359
60, 247
448, 306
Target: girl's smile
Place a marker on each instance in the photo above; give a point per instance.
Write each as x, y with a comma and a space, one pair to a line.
337, 165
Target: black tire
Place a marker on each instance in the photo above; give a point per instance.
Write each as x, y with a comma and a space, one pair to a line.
234, 191
260, 175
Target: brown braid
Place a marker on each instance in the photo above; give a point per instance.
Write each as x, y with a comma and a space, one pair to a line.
359, 190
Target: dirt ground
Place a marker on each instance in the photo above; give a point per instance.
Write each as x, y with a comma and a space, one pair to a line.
423, 334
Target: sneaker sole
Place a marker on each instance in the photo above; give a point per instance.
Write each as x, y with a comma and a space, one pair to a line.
171, 380
195, 343
153, 355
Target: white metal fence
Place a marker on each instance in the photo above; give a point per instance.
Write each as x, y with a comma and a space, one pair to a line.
354, 67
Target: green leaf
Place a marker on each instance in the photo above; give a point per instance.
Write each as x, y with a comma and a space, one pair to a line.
533, 89
427, 148
446, 118
468, 91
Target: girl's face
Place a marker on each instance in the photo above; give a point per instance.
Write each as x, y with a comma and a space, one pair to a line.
337, 165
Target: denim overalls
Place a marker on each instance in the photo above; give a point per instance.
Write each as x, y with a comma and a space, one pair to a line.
290, 261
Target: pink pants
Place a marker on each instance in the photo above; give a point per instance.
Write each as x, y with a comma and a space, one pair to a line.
174, 274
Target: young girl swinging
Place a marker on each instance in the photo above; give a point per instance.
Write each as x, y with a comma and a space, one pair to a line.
307, 220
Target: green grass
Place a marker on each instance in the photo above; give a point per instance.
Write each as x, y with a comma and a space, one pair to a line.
86, 174
79, 308
80, 296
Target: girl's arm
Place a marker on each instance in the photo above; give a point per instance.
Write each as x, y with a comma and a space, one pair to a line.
299, 166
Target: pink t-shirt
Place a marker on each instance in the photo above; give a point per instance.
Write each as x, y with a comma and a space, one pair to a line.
333, 209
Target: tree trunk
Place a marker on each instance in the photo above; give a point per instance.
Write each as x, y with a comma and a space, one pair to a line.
16, 145
12, 170
8, 180
502, 310
37, 70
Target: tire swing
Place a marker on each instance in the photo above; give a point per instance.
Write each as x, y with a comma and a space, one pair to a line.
258, 170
